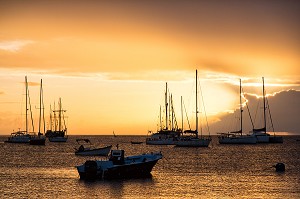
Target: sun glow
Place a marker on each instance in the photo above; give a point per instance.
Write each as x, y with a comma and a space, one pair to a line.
109, 61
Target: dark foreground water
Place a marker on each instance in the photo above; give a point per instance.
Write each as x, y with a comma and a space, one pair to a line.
220, 171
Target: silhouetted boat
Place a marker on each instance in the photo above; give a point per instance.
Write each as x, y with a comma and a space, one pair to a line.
118, 166
170, 134
59, 134
19, 137
194, 140
86, 148
39, 139
261, 134
237, 137
136, 142
22, 136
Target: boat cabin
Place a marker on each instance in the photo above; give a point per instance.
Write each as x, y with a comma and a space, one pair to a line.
117, 156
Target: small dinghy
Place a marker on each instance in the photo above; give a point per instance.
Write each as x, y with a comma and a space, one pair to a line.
86, 148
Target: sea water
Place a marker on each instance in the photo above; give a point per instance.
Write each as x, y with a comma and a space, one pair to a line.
219, 171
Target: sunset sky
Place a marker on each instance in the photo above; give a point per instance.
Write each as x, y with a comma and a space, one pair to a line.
109, 60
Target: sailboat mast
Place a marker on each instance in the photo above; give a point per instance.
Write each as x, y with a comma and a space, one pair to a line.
171, 112
59, 115
40, 107
196, 103
26, 88
166, 103
241, 107
160, 122
181, 114
50, 118
264, 101
55, 119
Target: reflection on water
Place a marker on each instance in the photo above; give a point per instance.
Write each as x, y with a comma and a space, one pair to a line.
220, 171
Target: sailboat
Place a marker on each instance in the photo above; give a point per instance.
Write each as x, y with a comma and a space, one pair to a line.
195, 140
169, 134
261, 133
39, 139
237, 137
59, 134
22, 136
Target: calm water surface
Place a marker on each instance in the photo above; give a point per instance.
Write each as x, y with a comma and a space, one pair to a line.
220, 171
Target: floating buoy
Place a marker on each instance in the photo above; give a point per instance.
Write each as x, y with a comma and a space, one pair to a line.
280, 167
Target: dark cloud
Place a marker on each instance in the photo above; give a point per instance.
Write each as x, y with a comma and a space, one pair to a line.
284, 108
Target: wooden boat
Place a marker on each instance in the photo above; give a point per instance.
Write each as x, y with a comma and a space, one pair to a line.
118, 166
87, 149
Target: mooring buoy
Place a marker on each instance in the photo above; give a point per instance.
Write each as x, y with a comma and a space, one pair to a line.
279, 167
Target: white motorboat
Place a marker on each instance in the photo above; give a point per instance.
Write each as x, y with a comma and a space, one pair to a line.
118, 166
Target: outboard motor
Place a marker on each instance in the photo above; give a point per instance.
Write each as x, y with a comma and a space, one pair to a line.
90, 168
117, 157
280, 167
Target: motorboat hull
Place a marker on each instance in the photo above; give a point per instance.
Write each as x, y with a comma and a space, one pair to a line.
138, 170
133, 167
